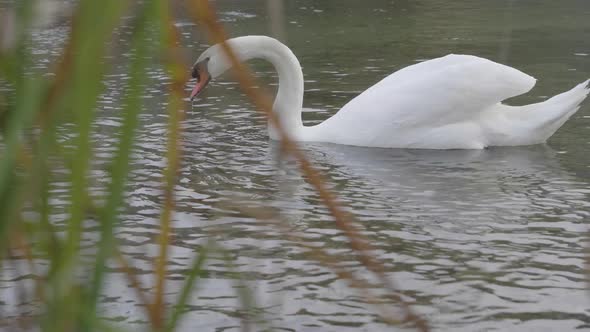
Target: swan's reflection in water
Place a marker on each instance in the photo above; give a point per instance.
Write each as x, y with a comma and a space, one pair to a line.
493, 236
493, 185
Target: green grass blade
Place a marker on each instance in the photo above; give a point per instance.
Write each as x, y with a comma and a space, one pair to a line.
120, 163
195, 272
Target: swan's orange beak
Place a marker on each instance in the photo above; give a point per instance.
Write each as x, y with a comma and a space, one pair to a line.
203, 77
201, 84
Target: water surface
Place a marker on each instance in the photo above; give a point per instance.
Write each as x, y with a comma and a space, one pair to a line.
477, 240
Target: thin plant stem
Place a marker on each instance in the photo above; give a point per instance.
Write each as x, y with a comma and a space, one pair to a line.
203, 11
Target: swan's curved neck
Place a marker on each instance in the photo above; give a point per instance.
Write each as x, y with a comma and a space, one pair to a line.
289, 100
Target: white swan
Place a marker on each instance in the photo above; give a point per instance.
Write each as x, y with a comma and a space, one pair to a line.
453, 102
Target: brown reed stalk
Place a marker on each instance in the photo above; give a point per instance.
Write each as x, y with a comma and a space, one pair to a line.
135, 284
319, 255
587, 262
204, 13
176, 105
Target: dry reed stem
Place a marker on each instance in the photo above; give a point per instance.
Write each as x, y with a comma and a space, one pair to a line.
22, 244
320, 255
587, 262
175, 111
135, 283
202, 10
64, 69
54, 92
25, 159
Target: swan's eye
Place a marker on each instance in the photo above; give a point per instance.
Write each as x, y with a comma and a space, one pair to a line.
195, 73
197, 68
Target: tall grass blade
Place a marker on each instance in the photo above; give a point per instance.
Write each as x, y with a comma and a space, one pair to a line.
196, 271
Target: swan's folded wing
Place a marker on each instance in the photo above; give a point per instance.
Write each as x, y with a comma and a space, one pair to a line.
452, 89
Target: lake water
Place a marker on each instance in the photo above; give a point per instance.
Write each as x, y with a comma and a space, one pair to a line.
490, 240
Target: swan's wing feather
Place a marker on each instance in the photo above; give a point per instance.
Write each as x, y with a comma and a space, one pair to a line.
441, 91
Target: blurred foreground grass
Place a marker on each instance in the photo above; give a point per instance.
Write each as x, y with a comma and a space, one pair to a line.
35, 107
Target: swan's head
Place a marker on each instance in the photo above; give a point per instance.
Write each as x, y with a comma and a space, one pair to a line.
211, 64
214, 61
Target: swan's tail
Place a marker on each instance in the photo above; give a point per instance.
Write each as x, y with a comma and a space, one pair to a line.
537, 122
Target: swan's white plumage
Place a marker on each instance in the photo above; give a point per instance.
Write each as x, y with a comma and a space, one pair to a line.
453, 102
434, 104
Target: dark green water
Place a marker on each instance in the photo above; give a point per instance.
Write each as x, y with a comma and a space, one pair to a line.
487, 240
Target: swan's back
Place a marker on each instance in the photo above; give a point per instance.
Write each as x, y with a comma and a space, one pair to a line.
454, 87
414, 101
